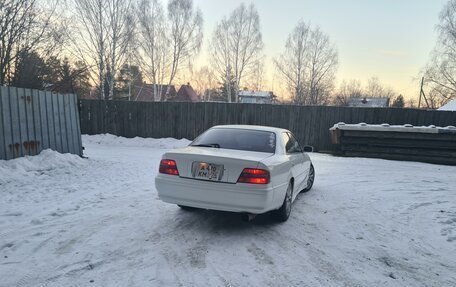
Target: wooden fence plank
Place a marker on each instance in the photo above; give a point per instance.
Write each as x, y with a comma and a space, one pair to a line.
69, 123
3, 110
23, 122
8, 123
57, 122
75, 134
29, 144
36, 121
18, 125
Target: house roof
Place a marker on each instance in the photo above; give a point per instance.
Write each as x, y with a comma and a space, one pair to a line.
258, 94
185, 94
368, 102
450, 106
146, 92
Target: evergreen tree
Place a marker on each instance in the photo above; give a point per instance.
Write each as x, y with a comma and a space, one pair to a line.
29, 71
398, 102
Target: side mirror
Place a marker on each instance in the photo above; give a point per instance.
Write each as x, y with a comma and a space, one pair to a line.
308, 148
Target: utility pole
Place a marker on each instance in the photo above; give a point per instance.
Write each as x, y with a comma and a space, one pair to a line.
422, 95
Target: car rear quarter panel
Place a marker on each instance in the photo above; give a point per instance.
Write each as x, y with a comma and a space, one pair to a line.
280, 171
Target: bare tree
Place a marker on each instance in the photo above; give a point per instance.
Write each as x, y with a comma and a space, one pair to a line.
323, 62
26, 26
375, 89
154, 43
292, 63
203, 82
354, 89
347, 90
101, 38
440, 73
237, 43
186, 34
221, 54
89, 38
308, 65
120, 34
255, 80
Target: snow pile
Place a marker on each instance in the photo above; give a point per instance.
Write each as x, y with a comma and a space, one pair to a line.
112, 140
450, 106
407, 128
47, 160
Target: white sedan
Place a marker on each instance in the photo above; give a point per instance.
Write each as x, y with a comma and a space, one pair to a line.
237, 168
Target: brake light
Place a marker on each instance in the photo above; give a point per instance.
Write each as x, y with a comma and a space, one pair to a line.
255, 176
168, 166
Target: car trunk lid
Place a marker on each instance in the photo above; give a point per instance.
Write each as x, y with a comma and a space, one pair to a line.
227, 162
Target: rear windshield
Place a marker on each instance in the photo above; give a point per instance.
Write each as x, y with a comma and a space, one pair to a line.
238, 139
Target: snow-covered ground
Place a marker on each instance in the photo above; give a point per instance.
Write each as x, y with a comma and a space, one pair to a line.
67, 221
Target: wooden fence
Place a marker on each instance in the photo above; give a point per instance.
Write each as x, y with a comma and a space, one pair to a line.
187, 120
32, 120
431, 145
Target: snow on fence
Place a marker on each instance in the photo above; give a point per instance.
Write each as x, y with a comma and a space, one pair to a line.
311, 124
429, 144
32, 120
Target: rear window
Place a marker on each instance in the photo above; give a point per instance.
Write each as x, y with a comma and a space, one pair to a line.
238, 139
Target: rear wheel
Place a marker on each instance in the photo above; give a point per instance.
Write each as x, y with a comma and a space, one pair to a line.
283, 213
310, 179
186, 208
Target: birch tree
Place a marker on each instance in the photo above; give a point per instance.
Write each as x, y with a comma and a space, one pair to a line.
154, 43
323, 62
120, 34
237, 44
222, 55
101, 39
90, 40
186, 35
440, 73
292, 63
308, 65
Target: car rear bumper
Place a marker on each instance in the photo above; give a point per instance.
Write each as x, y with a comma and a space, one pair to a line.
238, 197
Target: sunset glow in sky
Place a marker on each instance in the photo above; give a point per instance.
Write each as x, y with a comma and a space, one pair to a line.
390, 39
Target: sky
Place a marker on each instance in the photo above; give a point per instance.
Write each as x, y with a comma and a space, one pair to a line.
389, 39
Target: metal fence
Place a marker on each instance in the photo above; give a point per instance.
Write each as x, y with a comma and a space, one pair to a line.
31, 121
187, 120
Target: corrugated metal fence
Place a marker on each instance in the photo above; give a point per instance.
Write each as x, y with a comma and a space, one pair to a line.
187, 120
32, 120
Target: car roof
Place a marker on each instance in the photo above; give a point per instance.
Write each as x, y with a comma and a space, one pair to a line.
252, 127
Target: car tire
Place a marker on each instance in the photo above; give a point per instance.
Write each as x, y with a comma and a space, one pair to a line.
310, 179
283, 213
187, 208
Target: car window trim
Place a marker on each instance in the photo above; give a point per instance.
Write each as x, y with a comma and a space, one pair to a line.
292, 137
251, 129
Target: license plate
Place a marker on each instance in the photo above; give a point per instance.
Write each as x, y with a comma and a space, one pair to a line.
207, 171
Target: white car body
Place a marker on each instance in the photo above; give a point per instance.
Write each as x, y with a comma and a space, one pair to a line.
228, 194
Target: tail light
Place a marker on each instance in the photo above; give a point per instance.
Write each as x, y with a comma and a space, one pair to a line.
168, 166
255, 176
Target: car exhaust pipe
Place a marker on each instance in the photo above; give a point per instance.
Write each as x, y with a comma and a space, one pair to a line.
247, 217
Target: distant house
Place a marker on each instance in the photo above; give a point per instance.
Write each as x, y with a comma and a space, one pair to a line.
360, 102
450, 106
256, 97
146, 92
185, 94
